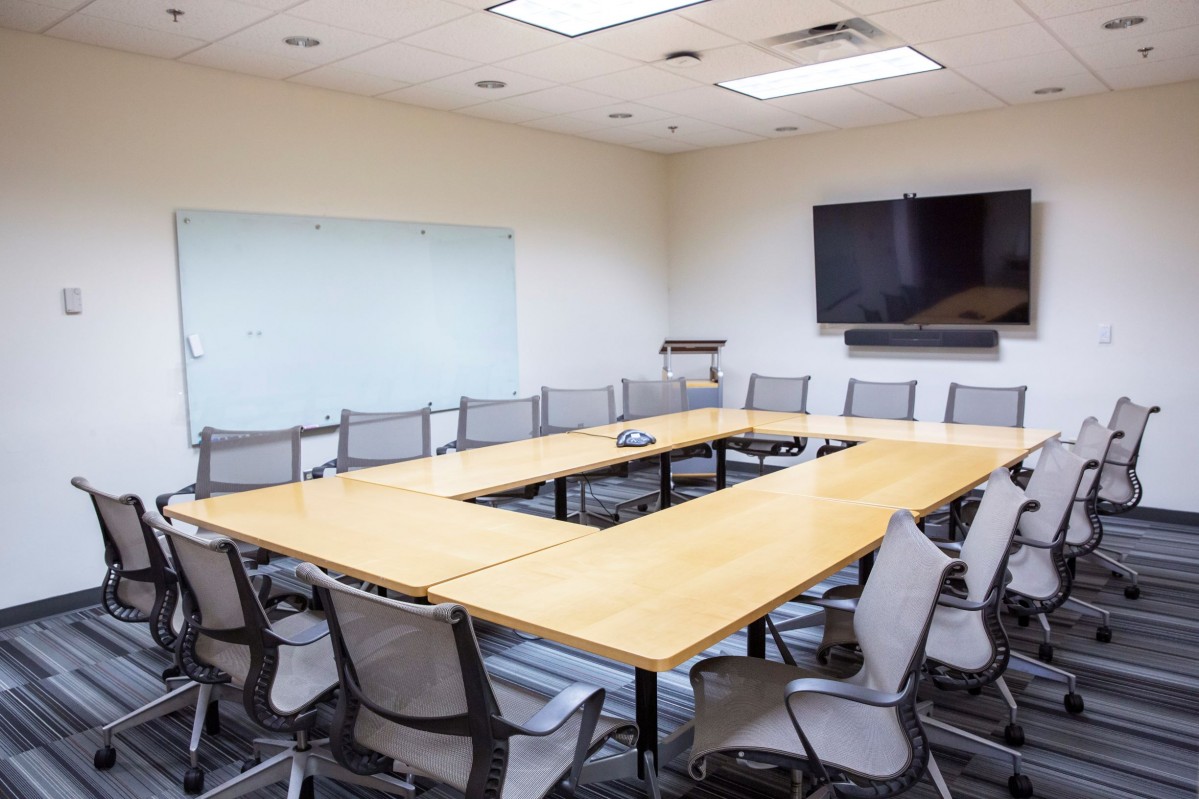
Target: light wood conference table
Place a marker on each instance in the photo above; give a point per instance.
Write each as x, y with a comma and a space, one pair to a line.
397, 539
857, 428
660, 589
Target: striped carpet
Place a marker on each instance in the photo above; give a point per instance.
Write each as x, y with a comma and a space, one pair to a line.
61, 678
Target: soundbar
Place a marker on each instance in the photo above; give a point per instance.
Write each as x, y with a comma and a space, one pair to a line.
870, 337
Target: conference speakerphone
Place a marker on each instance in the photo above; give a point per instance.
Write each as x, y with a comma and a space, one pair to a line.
870, 337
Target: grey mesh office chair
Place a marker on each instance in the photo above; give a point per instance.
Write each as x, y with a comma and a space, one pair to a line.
377, 439
983, 405
566, 409
281, 669
642, 399
243, 460
1119, 486
141, 587
856, 737
416, 695
484, 422
773, 394
876, 400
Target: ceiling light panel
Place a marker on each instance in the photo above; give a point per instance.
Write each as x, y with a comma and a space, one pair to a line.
576, 17
842, 72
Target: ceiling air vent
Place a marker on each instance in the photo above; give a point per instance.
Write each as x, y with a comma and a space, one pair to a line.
843, 39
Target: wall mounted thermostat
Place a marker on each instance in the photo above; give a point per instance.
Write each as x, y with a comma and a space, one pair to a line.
72, 300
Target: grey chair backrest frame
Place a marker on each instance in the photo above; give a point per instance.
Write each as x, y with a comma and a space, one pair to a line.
243, 460
777, 393
644, 398
985, 405
565, 409
376, 439
1120, 487
879, 400
1085, 530
508, 420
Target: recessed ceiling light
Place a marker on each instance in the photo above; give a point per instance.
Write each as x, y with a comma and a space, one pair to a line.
1120, 23
576, 17
786, 129
301, 41
490, 84
620, 116
1049, 90
683, 60
827, 74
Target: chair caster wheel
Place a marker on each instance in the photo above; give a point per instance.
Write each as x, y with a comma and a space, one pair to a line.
1132, 592
1073, 703
171, 672
106, 758
308, 788
193, 781
615, 518
212, 720
1014, 735
250, 763
1103, 634
1117, 574
643, 508
1045, 652
1022, 621
1019, 786
974, 691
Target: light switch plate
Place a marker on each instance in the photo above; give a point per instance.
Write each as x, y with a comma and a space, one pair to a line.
72, 300
1105, 333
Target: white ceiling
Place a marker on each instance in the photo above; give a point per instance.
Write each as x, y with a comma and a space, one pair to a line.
431, 52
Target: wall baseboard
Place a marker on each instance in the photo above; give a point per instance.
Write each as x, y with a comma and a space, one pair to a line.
1162, 516
50, 606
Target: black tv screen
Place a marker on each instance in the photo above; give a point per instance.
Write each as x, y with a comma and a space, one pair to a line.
960, 259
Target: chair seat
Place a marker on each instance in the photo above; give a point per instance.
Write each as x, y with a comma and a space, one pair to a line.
535, 765
740, 707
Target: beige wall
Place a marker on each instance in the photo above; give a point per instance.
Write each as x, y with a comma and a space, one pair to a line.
97, 150
1115, 186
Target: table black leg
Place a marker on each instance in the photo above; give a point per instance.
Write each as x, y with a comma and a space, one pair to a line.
646, 685
865, 564
560, 498
721, 446
755, 643
664, 479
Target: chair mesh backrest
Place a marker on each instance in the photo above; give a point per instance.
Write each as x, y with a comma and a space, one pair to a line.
643, 398
880, 400
121, 521
999, 407
1130, 419
483, 422
777, 393
985, 549
208, 575
242, 460
375, 439
1093, 443
1054, 484
891, 622
564, 409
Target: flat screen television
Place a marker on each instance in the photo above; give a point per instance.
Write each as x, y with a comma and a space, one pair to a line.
959, 259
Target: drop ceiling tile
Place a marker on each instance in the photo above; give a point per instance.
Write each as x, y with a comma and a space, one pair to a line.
1152, 73
561, 100
502, 112
601, 117
654, 38
1045, 9
749, 20
484, 37
701, 99
211, 20
119, 36
842, 108
1080, 30
273, 5
931, 94
1019, 91
666, 146
248, 62
722, 137
1038, 69
614, 135
997, 45
344, 80
1123, 53
405, 63
634, 84
62, 5
32, 17
478, 5
681, 125
945, 19
391, 19
567, 63
430, 98
562, 124
464, 83
729, 63
876, 6
335, 43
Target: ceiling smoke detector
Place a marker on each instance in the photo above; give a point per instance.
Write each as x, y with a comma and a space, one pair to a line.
683, 59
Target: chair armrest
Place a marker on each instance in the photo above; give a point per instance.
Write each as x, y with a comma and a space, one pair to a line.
1028, 542
310, 636
165, 499
262, 584
961, 603
847, 604
844, 690
447, 447
319, 471
554, 714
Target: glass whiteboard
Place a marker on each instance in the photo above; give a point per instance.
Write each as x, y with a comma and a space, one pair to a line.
289, 319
